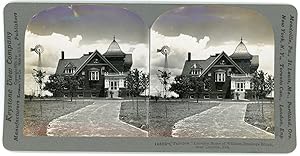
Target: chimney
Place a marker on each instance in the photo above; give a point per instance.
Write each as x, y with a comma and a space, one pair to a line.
62, 55
90, 53
189, 56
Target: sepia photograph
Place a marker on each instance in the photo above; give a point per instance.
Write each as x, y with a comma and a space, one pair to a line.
212, 74
208, 73
85, 71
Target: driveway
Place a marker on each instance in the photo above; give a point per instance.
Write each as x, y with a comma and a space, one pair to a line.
100, 119
223, 121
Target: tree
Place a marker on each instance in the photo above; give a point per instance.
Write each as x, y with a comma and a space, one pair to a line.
39, 76
137, 82
71, 83
197, 86
262, 85
164, 77
269, 84
181, 86
54, 84
207, 84
145, 82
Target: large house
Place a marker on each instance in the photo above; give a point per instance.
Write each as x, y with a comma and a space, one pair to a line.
225, 76
102, 75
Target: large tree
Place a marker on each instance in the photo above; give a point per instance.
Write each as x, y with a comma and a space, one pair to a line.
197, 86
181, 86
54, 84
71, 83
262, 85
137, 82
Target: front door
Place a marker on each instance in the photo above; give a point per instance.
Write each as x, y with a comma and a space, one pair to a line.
114, 89
240, 91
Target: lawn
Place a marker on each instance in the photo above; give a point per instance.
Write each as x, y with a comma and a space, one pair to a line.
162, 115
36, 121
254, 117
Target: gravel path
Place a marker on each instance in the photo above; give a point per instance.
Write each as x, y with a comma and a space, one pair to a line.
100, 119
223, 121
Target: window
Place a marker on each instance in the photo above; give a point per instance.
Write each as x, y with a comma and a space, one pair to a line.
240, 86
205, 86
220, 77
220, 97
93, 95
206, 96
94, 75
69, 70
195, 71
80, 95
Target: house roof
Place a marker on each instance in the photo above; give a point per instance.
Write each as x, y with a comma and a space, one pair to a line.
114, 49
217, 59
92, 56
203, 63
241, 52
63, 63
207, 64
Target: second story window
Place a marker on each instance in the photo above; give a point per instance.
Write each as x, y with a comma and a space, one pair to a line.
94, 75
220, 77
196, 72
69, 70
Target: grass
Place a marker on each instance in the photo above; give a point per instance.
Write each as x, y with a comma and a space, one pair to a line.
128, 113
37, 121
162, 115
254, 117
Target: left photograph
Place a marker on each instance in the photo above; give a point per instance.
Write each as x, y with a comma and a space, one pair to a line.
86, 73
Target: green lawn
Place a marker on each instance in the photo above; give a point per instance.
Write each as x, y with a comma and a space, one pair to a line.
36, 121
162, 115
254, 117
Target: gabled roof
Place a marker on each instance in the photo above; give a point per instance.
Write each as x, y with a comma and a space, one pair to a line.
114, 49
203, 63
208, 64
217, 59
63, 63
90, 58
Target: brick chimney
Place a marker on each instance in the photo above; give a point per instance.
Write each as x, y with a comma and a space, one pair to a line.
189, 56
62, 55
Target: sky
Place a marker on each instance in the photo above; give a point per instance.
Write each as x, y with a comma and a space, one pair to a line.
81, 29
205, 31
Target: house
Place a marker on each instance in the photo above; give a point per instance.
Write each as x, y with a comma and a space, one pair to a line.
102, 75
225, 77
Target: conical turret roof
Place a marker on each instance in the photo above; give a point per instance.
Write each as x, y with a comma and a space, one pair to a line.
241, 52
114, 49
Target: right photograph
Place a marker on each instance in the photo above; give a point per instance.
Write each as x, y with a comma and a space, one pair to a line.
212, 74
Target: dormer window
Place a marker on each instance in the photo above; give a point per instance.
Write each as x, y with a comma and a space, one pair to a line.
195, 71
69, 70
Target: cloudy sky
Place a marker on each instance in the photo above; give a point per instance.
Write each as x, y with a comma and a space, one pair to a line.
206, 30
81, 29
